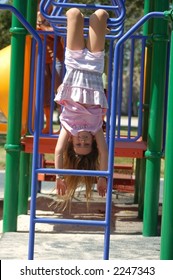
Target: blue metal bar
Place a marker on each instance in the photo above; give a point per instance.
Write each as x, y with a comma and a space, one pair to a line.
140, 111
102, 223
31, 87
76, 172
36, 163
33, 80
53, 78
45, 5
120, 94
86, 6
136, 26
130, 87
114, 33
109, 91
63, 19
42, 86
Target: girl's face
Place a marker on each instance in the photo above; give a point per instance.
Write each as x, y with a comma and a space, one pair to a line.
82, 143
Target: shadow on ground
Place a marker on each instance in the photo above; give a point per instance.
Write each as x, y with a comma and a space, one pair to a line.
124, 215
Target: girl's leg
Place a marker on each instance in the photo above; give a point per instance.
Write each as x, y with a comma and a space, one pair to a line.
97, 31
75, 24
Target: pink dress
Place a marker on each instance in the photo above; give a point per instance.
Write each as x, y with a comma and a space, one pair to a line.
82, 94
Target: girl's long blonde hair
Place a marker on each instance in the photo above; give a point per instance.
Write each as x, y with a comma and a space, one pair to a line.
71, 160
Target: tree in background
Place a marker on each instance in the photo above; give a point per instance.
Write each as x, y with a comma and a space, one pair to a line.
134, 11
5, 24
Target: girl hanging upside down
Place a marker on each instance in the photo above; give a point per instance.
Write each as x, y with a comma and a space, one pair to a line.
81, 143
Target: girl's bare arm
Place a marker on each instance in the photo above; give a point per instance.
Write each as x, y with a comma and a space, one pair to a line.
103, 149
59, 149
103, 152
60, 184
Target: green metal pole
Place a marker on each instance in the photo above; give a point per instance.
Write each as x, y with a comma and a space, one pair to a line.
25, 158
14, 121
23, 183
147, 31
155, 131
167, 211
32, 12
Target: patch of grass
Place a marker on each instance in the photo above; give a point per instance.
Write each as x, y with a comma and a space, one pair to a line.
2, 152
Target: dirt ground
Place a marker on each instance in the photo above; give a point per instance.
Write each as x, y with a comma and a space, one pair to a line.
121, 215
124, 213
124, 218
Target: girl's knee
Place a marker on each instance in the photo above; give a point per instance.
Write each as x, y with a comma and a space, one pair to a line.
101, 14
74, 13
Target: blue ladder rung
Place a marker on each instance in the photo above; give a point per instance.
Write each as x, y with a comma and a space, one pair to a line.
102, 223
72, 172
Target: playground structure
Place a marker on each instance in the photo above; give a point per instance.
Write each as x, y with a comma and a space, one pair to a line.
147, 146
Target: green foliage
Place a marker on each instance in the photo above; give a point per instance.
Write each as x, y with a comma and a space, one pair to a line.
134, 11
5, 24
